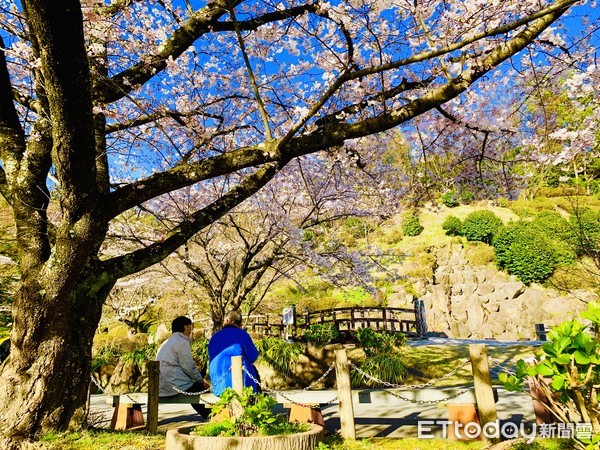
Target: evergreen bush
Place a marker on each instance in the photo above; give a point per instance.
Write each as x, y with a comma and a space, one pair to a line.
375, 342
321, 334
531, 259
524, 251
466, 197
585, 223
452, 225
411, 225
449, 199
481, 226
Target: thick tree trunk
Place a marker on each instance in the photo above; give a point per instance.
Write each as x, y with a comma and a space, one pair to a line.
46, 378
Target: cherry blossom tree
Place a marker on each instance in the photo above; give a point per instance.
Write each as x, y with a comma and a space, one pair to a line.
287, 227
105, 107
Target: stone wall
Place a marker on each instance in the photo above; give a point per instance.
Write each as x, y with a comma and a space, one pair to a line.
482, 302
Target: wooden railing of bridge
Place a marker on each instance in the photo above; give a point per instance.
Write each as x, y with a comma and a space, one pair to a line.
410, 321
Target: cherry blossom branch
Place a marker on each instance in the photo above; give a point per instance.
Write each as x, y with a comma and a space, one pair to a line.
554, 11
197, 25
143, 258
325, 136
257, 96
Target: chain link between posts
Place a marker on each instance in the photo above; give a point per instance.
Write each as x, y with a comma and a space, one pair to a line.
408, 387
267, 389
413, 387
423, 402
328, 371
495, 363
103, 390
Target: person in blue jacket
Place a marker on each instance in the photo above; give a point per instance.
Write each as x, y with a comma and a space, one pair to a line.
230, 341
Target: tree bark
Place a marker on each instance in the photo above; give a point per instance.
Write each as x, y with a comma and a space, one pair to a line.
47, 374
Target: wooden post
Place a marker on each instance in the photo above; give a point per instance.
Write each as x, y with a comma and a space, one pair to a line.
484, 394
153, 368
237, 374
342, 374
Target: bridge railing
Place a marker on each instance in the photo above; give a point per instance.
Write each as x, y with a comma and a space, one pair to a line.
410, 321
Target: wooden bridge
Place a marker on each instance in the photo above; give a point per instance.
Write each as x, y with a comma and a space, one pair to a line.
410, 321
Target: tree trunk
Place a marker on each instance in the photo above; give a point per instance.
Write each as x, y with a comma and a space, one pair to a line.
47, 376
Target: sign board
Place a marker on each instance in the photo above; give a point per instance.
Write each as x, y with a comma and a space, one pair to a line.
288, 316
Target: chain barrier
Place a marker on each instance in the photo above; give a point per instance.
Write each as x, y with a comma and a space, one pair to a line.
408, 387
423, 402
321, 378
495, 363
199, 394
267, 389
103, 390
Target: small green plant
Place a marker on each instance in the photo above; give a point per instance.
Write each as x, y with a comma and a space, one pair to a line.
375, 342
411, 225
255, 416
279, 354
585, 223
321, 334
452, 225
449, 199
466, 197
481, 226
569, 374
200, 352
388, 367
107, 354
140, 356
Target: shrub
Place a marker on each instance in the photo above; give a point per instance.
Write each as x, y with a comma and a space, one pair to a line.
390, 368
321, 334
531, 259
411, 225
140, 356
585, 223
480, 254
504, 238
466, 197
358, 227
375, 342
256, 418
449, 199
200, 352
107, 354
525, 252
452, 225
569, 374
480, 226
279, 354
552, 223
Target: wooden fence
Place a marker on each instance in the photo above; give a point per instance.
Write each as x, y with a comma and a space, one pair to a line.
481, 401
410, 321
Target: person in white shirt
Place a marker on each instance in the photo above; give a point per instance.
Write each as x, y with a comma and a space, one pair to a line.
178, 371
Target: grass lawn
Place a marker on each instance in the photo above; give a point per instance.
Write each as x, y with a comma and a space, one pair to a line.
106, 440
430, 362
434, 361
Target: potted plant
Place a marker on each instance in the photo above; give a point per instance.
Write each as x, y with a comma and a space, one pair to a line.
568, 376
251, 425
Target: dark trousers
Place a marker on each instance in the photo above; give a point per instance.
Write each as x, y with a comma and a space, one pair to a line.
203, 410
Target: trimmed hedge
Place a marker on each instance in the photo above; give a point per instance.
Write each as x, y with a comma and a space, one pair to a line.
481, 226
452, 225
411, 225
524, 251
